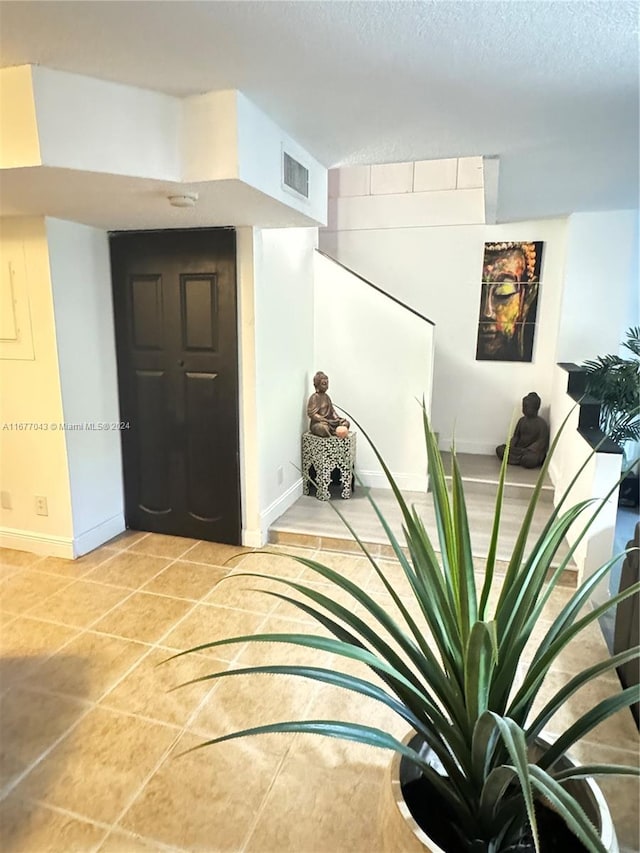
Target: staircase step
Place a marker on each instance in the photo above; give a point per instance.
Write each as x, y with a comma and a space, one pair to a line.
314, 524
382, 550
480, 475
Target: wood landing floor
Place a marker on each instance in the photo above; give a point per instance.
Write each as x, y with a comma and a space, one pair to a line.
321, 524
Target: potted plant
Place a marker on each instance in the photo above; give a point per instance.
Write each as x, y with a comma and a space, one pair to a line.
615, 382
474, 756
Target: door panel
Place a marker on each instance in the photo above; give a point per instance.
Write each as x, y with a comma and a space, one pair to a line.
199, 312
153, 443
146, 307
175, 306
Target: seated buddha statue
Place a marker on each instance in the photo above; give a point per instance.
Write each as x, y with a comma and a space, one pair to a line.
323, 418
530, 441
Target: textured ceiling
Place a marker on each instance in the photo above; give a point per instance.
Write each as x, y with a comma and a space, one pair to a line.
550, 87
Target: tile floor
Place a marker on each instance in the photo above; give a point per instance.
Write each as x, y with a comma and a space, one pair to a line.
92, 736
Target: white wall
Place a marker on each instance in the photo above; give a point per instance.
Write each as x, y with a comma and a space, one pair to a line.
283, 282
81, 280
260, 146
379, 359
53, 118
209, 136
437, 270
601, 284
98, 126
19, 145
399, 195
32, 461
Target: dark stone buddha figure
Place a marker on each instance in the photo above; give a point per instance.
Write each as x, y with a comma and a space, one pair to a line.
323, 418
530, 441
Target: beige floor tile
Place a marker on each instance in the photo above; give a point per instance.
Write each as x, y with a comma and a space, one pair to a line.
245, 701
26, 644
96, 769
559, 598
206, 800
186, 580
33, 827
7, 572
286, 610
325, 590
334, 703
100, 765
148, 689
30, 723
124, 842
394, 574
17, 559
207, 623
245, 593
143, 617
22, 591
278, 563
5, 619
88, 666
313, 810
128, 569
622, 793
588, 646
355, 568
285, 654
74, 569
617, 731
126, 539
158, 545
79, 604
218, 554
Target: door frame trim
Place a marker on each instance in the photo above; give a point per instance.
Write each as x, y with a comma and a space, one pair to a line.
254, 534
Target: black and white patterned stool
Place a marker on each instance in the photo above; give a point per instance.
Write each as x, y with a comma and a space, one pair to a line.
326, 454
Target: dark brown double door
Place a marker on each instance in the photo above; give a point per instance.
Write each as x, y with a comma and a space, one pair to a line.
176, 333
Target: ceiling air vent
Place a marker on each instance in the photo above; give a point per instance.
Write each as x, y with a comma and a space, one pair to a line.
295, 176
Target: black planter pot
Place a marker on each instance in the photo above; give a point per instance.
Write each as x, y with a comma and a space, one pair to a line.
402, 833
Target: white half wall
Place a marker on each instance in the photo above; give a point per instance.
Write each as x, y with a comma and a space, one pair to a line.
81, 282
379, 359
283, 292
438, 270
600, 474
601, 284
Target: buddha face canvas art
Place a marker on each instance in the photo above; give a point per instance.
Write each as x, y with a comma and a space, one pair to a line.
509, 301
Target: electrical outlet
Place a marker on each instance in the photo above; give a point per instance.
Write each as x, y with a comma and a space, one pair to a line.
5, 500
41, 505
280, 475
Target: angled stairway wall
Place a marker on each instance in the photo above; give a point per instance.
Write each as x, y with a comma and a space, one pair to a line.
378, 354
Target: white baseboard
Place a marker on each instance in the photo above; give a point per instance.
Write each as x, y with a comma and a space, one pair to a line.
280, 505
98, 535
406, 482
37, 543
